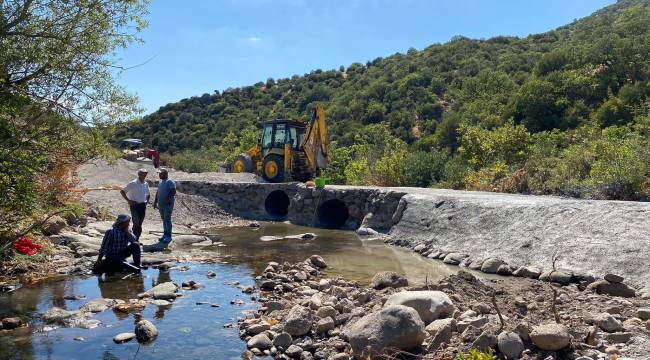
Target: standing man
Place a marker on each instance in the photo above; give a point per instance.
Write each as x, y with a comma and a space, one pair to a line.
164, 201
136, 193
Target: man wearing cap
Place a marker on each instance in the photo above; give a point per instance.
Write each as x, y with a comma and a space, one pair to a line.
164, 201
118, 244
136, 193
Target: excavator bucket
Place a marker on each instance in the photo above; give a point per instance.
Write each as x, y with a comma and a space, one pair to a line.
316, 141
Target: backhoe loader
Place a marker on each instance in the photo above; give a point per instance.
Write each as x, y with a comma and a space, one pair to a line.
288, 150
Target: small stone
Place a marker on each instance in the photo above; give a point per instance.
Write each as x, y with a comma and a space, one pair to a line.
528, 272
510, 344
298, 321
326, 311
610, 288
609, 323
386, 279
643, 313
258, 328
79, 338
484, 342
614, 278
145, 331
550, 337
123, 337
317, 261
160, 302
324, 325
211, 274
293, 351
504, 270
440, 331
618, 338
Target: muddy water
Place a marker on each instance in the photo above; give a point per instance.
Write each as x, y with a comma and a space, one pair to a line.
188, 330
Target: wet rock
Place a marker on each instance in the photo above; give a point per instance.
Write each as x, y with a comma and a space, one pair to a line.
259, 341
550, 337
430, 305
608, 323
440, 332
324, 325
247, 355
123, 337
393, 327
11, 323
210, 274
160, 302
491, 265
59, 316
504, 270
74, 297
454, 258
476, 264
258, 328
386, 279
643, 313
163, 287
53, 225
317, 261
298, 321
283, 340
556, 276
366, 231
614, 278
609, 288
510, 344
145, 331
98, 305
164, 295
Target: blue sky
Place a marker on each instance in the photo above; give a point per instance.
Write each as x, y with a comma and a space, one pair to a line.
198, 46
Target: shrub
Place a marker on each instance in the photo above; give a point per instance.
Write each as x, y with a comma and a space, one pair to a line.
475, 354
422, 169
195, 161
454, 172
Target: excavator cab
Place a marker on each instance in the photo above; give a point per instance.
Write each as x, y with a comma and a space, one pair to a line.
288, 150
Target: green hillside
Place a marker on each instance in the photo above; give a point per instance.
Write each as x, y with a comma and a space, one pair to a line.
566, 111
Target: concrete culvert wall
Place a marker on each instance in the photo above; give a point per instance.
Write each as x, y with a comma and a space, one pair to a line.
277, 204
333, 214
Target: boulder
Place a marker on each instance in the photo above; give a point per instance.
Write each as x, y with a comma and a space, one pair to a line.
609, 288
613, 278
317, 261
145, 331
510, 344
550, 337
556, 276
259, 341
393, 327
98, 305
258, 328
283, 340
454, 258
491, 265
528, 272
53, 225
298, 321
11, 323
430, 305
608, 323
123, 337
386, 279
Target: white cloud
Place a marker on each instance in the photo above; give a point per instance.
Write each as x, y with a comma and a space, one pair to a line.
254, 39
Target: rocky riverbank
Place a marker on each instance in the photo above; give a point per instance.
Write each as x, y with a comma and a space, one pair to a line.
305, 315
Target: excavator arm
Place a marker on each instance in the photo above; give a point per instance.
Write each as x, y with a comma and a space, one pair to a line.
316, 141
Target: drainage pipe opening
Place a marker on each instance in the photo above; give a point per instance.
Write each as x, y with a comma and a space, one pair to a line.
333, 214
277, 204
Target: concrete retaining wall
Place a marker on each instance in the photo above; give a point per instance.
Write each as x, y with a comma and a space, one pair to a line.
594, 237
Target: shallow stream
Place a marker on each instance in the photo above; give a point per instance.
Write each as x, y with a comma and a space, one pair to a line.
189, 330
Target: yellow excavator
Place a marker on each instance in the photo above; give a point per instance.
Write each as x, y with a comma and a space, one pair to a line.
288, 150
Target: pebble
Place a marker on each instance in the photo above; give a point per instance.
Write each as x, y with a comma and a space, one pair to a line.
123, 337
614, 278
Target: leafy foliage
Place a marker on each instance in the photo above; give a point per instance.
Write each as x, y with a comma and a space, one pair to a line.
526, 114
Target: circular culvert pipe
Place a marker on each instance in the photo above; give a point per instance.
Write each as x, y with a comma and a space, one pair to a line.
333, 214
277, 204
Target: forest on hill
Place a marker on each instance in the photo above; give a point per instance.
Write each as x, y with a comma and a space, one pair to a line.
566, 111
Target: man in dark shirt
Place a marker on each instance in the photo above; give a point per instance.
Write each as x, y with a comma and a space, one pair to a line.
119, 243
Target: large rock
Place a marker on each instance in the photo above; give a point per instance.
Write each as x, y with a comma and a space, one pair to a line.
259, 341
528, 272
317, 261
510, 344
53, 225
393, 327
609, 323
60, 316
550, 337
283, 340
11, 323
430, 305
98, 305
609, 288
145, 331
454, 258
556, 276
163, 287
386, 279
491, 265
298, 321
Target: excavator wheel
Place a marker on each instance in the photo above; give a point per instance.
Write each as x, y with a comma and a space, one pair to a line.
243, 163
273, 168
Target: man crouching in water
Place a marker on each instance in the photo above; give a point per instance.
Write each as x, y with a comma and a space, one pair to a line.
119, 243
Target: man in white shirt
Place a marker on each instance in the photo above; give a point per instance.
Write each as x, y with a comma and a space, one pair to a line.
136, 193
